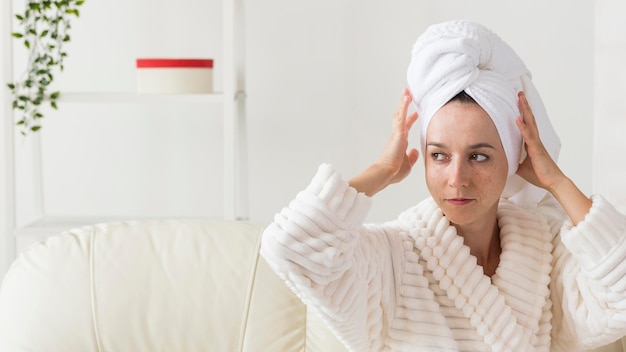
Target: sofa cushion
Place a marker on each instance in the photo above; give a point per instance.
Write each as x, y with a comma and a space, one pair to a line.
166, 285
172, 285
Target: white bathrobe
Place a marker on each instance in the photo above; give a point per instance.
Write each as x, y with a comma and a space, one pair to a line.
411, 284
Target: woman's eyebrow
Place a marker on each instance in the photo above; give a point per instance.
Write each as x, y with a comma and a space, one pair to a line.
481, 145
436, 144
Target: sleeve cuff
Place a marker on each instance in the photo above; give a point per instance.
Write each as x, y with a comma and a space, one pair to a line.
597, 242
331, 194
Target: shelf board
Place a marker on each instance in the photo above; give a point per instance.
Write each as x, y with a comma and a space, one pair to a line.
134, 98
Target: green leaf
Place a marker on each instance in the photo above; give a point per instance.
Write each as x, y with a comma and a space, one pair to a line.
45, 28
73, 12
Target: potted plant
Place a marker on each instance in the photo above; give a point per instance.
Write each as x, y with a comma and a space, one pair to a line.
44, 29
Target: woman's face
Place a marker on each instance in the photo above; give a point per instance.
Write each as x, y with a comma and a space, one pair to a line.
466, 167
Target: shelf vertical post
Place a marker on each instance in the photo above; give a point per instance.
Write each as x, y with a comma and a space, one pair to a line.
235, 148
7, 143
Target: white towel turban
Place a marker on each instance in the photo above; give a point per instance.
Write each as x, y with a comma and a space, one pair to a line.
463, 56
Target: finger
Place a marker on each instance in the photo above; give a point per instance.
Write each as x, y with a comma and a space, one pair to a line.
406, 92
412, 155
410, 120
522, 127
399, 117
527, 123
527, 114
404, 102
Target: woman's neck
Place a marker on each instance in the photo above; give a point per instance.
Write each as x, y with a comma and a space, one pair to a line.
484, 243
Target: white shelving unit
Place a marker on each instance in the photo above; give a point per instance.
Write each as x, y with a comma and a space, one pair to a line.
125, 98
13, 238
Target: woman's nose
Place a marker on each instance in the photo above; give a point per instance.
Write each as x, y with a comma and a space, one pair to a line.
459, 173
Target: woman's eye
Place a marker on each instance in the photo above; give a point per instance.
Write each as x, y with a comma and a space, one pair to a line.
438, 156
479, 157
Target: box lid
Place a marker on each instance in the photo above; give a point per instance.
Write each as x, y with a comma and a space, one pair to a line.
174, 63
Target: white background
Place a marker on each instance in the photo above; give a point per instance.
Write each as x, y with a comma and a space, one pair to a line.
323, 78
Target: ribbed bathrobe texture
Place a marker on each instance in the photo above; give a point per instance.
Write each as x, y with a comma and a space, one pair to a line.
412, 285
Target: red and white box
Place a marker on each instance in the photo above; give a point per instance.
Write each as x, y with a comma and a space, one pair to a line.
174, 76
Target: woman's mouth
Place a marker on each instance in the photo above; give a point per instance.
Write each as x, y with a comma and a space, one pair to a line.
459, 201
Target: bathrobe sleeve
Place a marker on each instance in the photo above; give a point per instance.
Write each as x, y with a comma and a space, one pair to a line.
589, 279
334, 264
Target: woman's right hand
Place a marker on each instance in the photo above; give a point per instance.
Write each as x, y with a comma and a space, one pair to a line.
396, 160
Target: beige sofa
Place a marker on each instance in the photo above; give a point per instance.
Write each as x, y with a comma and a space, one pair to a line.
171, 285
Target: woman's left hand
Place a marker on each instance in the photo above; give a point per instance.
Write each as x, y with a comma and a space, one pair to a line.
542, 171
538, 168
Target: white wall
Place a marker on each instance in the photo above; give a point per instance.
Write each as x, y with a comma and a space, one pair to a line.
609, 103
323, 78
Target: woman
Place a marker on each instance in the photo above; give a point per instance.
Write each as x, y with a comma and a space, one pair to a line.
491, 261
